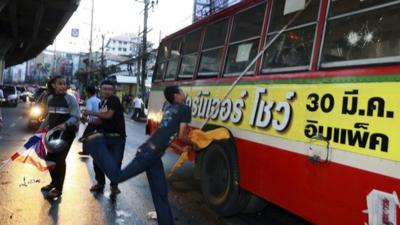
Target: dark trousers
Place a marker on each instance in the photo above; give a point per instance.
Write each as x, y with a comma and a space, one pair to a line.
146, 160
89, 129
115, 146
58, 173
136, 113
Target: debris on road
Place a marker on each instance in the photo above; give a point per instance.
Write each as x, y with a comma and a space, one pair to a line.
152, 215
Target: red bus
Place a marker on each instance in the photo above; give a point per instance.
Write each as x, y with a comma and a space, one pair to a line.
313, 120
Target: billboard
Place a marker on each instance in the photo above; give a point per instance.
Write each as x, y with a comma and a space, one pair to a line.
203, 8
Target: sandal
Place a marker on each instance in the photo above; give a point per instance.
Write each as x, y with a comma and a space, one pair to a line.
114, 189
97, 188
53, 193
47, 187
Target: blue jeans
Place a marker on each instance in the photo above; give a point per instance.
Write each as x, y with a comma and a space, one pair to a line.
115, 146
146, 160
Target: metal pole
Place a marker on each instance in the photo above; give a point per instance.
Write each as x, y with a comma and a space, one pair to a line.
233, 85
138, 58
144, 47
102, 56
90, 42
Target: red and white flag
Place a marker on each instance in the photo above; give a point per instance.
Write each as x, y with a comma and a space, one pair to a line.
33, 152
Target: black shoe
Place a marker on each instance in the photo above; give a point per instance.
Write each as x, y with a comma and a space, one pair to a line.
97, 188
53, 193
114, 189
47, 187
83, 153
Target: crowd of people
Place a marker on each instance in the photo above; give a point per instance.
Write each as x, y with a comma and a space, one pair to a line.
104, 139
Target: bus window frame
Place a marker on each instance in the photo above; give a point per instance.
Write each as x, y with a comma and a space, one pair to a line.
269, 71
180, 76
161, 78
169, 58
265, 71
205, 75
356, 62
223, 72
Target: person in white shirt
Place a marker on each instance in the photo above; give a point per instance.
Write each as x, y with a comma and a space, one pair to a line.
137, 103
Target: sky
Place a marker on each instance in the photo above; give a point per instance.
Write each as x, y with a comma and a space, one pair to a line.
117, 17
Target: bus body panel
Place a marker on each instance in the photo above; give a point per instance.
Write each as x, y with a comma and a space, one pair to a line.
332, 155
283, 173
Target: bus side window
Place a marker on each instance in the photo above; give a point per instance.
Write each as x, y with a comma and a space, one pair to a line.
244, 39
361, 32
189, 54
161, 61
292, 50
213, 49
173, 59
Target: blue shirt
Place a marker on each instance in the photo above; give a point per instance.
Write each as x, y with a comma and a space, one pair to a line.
92, 104
174, 115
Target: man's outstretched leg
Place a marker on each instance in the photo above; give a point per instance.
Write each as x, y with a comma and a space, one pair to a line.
103, 158
144, 159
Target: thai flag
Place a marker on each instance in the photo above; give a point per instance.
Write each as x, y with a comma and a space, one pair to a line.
33, 152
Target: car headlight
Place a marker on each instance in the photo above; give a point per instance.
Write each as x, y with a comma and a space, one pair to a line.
35, 111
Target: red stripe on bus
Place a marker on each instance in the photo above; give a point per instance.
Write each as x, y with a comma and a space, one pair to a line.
294, 182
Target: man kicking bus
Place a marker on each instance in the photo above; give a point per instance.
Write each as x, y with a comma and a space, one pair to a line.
175, 122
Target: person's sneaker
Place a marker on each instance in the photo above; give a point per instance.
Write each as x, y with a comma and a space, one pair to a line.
83, 153
97, 188
47, 187
53, 193
114, 189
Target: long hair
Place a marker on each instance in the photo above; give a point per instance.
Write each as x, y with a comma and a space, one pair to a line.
51, 82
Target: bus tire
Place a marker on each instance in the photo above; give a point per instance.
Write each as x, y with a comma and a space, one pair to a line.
220, 179
255, 205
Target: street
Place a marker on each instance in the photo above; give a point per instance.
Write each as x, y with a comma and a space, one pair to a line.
23, 203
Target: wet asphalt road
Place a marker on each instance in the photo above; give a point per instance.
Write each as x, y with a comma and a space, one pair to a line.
21, 201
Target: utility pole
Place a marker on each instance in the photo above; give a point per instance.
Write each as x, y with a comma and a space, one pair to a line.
90, 45
138, 58
147, 5
144, 48
102, 57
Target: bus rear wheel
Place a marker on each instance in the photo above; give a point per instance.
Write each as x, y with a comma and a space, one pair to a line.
220, 180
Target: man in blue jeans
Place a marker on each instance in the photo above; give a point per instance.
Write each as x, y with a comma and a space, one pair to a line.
175, 122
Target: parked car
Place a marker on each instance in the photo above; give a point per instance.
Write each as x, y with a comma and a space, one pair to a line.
37, 110
10, 95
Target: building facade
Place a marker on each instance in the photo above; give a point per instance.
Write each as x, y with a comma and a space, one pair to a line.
123, 45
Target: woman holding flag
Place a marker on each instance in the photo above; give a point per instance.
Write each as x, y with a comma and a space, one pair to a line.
62, 112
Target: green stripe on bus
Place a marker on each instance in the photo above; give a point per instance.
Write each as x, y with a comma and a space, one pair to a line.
325, 80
